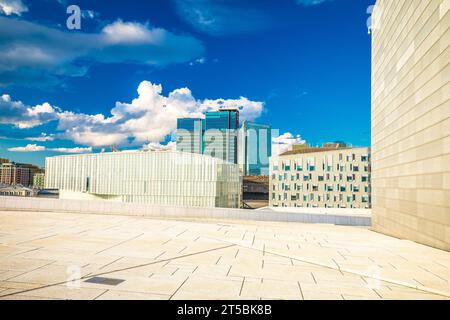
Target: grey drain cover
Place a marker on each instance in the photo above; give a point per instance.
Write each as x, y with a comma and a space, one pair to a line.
106, 281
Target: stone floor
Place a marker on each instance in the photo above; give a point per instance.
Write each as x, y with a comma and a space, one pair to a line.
51, 255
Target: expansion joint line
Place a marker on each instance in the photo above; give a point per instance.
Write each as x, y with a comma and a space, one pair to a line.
338, 268
118, 270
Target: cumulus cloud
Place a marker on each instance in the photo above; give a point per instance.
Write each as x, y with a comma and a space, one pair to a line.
9, 7
37, 148
23, 116
285, 142
33, 54
150, 117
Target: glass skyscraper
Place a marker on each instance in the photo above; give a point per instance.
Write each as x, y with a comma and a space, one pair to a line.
255, 148
221, 134
190, 135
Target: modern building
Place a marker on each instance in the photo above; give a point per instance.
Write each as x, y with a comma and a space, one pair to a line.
15, 174
254, 148
39, 180
190, 133
411, 120
151, 177
221, 134
314, 177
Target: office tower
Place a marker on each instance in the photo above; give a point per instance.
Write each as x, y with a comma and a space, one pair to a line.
190, 135
321, 177
254, 148
411, 120
221, 134
152, 177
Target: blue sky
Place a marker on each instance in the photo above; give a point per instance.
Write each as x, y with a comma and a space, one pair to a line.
302, 66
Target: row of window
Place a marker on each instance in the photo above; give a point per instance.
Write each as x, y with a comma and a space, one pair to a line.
320, 178
316, 188
327, 168
326, 205
321, 198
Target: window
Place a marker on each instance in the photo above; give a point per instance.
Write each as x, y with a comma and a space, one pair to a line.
275, 168
364, 158
320, 178
355, 168
287, 168
299, 167
364, 178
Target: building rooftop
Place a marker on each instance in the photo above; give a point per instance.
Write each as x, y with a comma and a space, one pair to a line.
125, 257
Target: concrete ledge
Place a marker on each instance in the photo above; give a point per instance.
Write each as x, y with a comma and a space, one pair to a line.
345, 218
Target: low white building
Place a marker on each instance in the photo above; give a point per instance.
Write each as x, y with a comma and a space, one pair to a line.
151, 177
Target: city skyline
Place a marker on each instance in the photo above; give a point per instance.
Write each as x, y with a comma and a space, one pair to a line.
80, 105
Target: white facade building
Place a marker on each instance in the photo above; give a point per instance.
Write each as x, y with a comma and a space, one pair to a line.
152, 177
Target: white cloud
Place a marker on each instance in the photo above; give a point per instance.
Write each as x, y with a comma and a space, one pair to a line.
151, 117
201, 60
37, 148
285, 142
28, 148
42, 138
71, 150
35, 55
248, 110
23, 116
9, 7
171, 145
221, 18
308, 3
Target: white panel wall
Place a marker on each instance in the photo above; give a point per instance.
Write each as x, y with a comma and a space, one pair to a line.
161, 178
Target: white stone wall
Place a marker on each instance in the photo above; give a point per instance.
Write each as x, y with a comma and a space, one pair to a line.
411, 120
163, 212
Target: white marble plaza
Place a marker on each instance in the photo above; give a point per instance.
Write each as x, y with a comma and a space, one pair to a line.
51, 255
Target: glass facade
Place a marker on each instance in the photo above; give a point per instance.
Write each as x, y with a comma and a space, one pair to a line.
255, 148
190, 133
220, 138
152, 177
